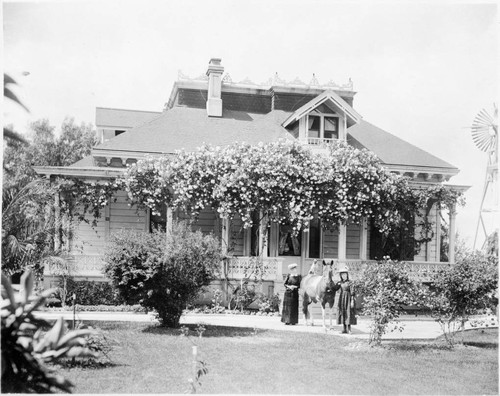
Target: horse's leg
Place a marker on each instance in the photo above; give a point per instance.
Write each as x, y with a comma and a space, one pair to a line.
305, 305
331, 314
323, 313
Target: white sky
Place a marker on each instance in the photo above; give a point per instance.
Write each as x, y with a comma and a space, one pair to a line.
422, 70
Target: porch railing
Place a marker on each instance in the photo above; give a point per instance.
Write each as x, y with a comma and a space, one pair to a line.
247, 267
314, 141
419, 270
79, 266
270, 268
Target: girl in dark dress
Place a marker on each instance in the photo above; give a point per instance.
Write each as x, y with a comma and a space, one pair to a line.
290, 313
346, 312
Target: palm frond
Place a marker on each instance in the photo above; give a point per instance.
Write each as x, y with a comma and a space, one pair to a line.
7, 80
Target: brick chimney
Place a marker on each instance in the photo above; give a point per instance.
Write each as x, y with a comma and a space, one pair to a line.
214, 100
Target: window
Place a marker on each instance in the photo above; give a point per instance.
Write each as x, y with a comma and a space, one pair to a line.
118, 132
255, 236
289, 245
322, 127
314, 238
331, 128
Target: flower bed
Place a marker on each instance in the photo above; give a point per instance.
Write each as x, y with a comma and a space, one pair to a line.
100, 308
223, 311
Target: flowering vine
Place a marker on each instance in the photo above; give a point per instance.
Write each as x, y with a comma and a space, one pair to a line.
283, 181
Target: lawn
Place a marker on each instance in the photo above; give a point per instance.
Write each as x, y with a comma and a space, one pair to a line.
149, 359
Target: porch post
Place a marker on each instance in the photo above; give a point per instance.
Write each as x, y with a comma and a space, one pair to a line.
57, 218
438, 235
342, 242
452, 232
363, 240
262, 236
225, 235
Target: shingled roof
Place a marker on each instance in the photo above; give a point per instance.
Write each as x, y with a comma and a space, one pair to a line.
390, 149
106, 117
188, 128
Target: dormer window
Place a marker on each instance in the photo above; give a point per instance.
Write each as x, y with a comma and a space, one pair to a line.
322, 127
322, 120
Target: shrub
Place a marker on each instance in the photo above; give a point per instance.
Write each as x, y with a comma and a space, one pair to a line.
387, 288
243, 296
26, 350
269, 304
92, 293
463, 289
161, 272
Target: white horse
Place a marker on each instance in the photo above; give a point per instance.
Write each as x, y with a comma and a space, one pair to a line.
318, 288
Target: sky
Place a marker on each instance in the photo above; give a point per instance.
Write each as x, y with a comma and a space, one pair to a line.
422, 70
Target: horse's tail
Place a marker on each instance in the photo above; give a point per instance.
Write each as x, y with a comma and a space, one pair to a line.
305, 305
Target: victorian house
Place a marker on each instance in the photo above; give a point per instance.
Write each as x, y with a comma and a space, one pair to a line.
213, 109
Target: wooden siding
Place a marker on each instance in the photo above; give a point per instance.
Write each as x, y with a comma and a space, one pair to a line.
291, 102
230, 100
353, 241
124, 216
207, 222
330, 244
88, 239
252, 103
192, 98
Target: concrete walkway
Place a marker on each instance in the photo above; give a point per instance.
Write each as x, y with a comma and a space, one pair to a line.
413, 329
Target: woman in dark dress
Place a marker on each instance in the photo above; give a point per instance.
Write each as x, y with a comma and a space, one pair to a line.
346, 312
290, 313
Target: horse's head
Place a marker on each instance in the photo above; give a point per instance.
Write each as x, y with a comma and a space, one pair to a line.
328, 271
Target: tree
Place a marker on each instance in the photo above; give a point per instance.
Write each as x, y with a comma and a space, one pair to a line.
28, 226
387, 288
8, 131
164, 277
29, 223
463, 289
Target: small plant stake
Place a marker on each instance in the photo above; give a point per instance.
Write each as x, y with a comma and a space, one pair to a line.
74, 310
195, 368
199, 366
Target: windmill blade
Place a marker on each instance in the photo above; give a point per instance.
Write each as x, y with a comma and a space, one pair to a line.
484, 118
484, 130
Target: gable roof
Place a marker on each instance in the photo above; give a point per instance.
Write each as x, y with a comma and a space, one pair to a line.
328, 96
390, 149
188, 128
106, 117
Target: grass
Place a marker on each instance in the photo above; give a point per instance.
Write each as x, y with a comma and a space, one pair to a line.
150, 359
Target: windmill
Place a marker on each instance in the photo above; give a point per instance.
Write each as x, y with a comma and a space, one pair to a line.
485, 135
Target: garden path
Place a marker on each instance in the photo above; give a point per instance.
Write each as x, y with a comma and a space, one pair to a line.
413, 329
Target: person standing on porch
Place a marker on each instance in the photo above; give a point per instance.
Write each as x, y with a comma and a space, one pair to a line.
346, 312
290, 312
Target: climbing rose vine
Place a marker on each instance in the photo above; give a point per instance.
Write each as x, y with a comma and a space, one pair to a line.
283, 181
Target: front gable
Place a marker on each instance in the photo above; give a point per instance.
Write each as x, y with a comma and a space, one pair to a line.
323, 119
